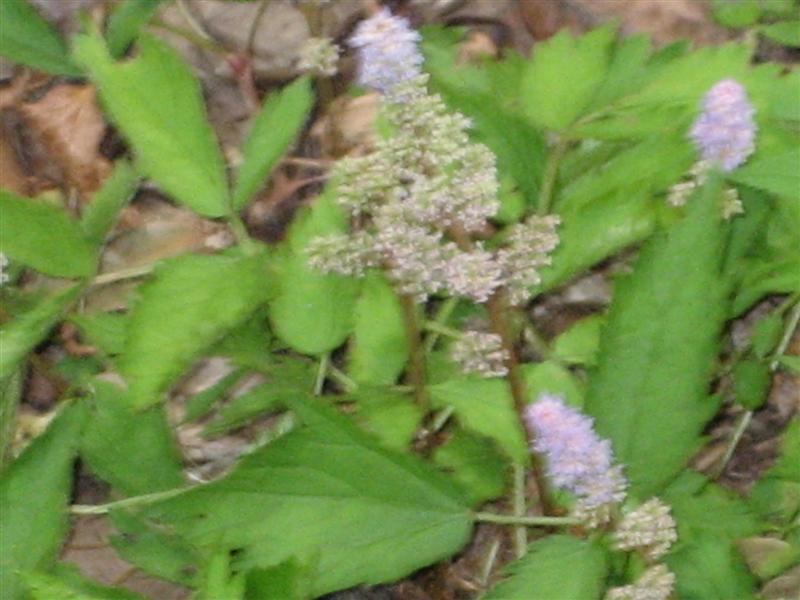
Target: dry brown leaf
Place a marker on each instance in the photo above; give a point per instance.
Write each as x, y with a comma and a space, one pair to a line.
12, 177
71, 126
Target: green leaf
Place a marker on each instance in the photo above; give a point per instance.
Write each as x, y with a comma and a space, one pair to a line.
154, 550
751, 383
67, 583
557, 567
190, 303
313, 312
379, 349
776, 496
551, 378
126, 21
105, 331
219, 580
563, 76
133, 451
626, 70
579, 344
390, 415
274, 130
330, 493
28, 39
476, 463
202, 403
42, 236
786, 33
286, 581
24, 333
484, 406
777, 174
649, 392
710, 570
10, 396
100, 216
595, 232
34, 495
792, 363
737, 13
156, 102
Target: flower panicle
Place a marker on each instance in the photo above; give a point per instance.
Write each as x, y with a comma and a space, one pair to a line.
480, 353
649, 528
655, 583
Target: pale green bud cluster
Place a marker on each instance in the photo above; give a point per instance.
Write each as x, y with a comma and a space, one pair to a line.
655, 583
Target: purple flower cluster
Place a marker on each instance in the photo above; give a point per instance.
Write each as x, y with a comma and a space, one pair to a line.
725, 131
577, 460
387, 51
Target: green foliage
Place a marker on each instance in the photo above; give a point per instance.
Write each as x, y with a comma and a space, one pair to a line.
379, 349
776, 496
777, 174
564, 74
484, 406
34, 495
649, 392
786, 33
751, 383
580, 343
43, 236
557, 567
328, 492
285, 581
390, 415
551, 378
312, 312
274, 129
126, 21
101, 214
68, 584
133, 451
156, 102
28, 39
190, 303
476, 463
105, 331
21, 335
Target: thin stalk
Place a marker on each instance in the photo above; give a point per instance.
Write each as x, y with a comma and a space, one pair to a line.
520, 509
788, 332
741, 427
122, 275
416, 370
191, 36
486, 517
488, 564
440, 418
144, 499
549, 176
440, 329
240, 232
444, 312
251, 35
343, 380
322, 373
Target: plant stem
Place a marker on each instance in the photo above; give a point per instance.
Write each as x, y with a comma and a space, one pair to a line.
240, 232
486, 517
498, 307
741, 427
440, 329
520, 509
416, 370
122, 275
322, 373
444, 312
788, 332
488, 564
549, 176
102, 509
343, 380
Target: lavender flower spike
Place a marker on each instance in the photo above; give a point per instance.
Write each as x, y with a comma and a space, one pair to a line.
725, 131
387, 51
577, 460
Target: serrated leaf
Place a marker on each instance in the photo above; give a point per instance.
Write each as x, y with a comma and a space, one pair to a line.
133, 451
156, 102
106, 331
476, 463
563, 76
274, 130
549, 377
34, 495
125, 22
379, 347
390, 415
649, 392
777, 174
484, 406
286, 581
313, 311
326, 492
557, 567
597, 231
579, 344
737, 13
42, 236
154, 550
20, 336
67, 583
100, 215
785, 32
190, 303
30, 40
